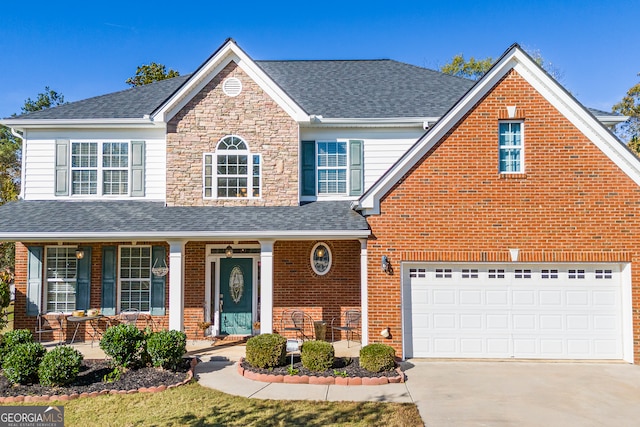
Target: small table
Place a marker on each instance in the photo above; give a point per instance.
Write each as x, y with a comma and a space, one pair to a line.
93, 321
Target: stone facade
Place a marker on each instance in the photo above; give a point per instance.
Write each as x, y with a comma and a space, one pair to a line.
571, 204
252, 115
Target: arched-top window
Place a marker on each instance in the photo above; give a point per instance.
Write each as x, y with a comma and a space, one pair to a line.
232, 171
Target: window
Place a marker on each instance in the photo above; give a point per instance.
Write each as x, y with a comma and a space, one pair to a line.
523, 274
604, 274
417, 272
332, 167
232, 171
321, 259
443, 273
511, 155
105, 168
469, 273
61, 268
496, 274
549, 274
576, 274
135, 277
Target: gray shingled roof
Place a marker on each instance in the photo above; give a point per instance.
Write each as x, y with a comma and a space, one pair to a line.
135, 217
367, 88
335, 89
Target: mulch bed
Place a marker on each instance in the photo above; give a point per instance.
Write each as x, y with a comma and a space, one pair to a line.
90, 379
342, 367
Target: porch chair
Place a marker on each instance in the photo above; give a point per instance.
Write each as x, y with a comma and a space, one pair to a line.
129, 316
351, 324
49, 323
296, 321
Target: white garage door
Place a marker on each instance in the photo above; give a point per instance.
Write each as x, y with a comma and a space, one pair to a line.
506, 311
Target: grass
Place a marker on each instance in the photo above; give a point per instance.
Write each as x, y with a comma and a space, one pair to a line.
194, 405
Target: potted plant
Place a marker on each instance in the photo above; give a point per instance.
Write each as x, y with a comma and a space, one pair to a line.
256, 328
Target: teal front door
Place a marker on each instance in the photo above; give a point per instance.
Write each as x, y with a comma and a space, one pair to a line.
236, 290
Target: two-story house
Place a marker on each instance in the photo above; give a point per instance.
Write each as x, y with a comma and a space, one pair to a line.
464, 219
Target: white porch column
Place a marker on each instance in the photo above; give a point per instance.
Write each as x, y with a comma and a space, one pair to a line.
364, 292
176, 285
266, 286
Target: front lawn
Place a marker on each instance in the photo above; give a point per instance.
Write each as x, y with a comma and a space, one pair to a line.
194, 405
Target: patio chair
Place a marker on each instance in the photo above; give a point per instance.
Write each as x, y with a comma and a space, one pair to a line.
351, 324
129, 316
49, 323
296, 321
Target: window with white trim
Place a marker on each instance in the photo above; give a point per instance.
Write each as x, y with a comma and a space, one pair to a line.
89, 168
135, 277
522, 274
443, 273
61, 272
469, 273
604, 274
496, 273
332, 167
417, 272
511, 150
320, 259
549, 274
232, 171
576, 274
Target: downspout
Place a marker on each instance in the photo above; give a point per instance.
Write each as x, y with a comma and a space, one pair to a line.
22, 157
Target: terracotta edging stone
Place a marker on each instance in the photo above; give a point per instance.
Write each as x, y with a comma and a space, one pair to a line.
306, 379
73, 396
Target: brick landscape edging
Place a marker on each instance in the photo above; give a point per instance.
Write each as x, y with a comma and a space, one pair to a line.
73, 396
306, 379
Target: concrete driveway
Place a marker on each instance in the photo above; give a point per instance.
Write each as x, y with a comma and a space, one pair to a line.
479, 393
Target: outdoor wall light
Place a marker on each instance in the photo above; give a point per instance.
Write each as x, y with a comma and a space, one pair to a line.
228, 251
386, 333
386, 265
79, 254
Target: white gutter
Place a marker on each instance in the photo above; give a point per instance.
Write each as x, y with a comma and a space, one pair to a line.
423, 122
193, 235
22, 157
79, 123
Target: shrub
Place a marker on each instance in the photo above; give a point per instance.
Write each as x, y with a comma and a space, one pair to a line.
377, 357
166, 348
124, 344
317, 355
60, 366
267, 350
13, 338
20, 365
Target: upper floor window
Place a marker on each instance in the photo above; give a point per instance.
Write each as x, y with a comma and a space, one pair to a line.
511, 151
332, 168
232, 171
105, 168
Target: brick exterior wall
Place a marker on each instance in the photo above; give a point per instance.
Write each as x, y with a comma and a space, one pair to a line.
298, 287
572, 204
252, 115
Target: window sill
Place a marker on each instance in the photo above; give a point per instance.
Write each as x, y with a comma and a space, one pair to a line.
513, 176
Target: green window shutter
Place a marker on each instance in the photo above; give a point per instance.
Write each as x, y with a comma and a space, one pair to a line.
137, 168
356, 168
158, 284
62, 167
308, 168
34, 280
83, 280
109, 274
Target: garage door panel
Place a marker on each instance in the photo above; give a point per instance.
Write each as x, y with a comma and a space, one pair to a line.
544, 311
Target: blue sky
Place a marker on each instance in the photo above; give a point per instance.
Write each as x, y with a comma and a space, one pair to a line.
83, 49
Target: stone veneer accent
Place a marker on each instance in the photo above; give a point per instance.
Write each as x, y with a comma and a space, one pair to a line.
252, 115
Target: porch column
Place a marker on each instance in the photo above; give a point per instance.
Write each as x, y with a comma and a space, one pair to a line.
364, 292
266, 286
176, 285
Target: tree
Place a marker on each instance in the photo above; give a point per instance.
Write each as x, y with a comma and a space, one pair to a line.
630, 106
153, 72
10, 164
47, 99
471, 69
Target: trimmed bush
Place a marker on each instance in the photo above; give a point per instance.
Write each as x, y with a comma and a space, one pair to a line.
377, 357
317, 356
13, 338
60, 366
124, 344
166, 348
267, 351
20, 365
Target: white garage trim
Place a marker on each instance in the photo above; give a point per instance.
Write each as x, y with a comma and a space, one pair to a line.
517, 310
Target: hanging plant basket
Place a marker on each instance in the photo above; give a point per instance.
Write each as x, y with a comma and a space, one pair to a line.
161, 270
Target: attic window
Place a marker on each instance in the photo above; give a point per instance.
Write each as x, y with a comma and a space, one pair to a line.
232, 86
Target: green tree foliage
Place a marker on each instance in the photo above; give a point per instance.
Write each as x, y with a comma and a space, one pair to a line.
630, 106
471, 69
150, 73
47, 99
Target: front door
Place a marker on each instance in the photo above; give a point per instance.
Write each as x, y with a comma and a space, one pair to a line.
236, 290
